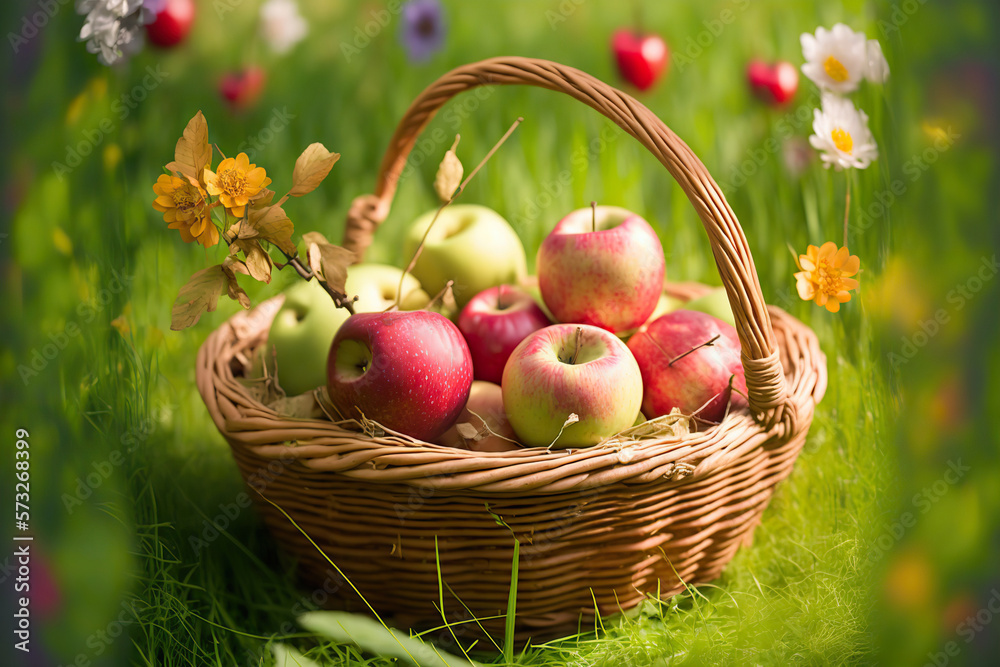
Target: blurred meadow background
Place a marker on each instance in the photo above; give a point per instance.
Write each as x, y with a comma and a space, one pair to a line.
882, 547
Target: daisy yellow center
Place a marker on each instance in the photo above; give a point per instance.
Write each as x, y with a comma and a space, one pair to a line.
842, 140
835, 69
829, 280
233, 182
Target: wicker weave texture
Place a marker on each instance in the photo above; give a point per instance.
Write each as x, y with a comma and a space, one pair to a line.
598, 527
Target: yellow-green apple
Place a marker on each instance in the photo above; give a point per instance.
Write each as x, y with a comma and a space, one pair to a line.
376, 286
300, 337
494, 322
304, 327
714, 303
569, 369
410, 371
688, 360
486, 428
602, 267
472, 245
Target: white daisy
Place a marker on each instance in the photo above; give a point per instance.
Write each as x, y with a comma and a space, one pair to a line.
281, 25
837, 59
842, 135
112, 29
878, 68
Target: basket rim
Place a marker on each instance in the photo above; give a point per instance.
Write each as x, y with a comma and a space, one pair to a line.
321, 445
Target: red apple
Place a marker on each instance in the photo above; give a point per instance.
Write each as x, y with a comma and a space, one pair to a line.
410, 371
611, 278
487, 428
493, 323
776, 83
568, 369
172, 23
242, 89
705, 352
641, 58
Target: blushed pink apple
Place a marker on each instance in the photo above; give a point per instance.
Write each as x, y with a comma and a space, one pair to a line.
569, 369
604, 269
410, 371
485, 421
494, 322
687, 359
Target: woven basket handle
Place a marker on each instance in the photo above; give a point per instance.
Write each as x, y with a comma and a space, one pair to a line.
768, 396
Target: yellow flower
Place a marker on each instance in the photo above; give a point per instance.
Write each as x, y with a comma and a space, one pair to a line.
824, 277
185, 209
236, 183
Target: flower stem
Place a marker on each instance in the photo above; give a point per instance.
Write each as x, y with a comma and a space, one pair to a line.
847, 208
461, 187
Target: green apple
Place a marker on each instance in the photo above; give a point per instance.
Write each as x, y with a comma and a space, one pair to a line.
303, 329
300, 337
376, 286
472, 245
714, 303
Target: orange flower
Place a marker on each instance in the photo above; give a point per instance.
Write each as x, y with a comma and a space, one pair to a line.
185, 209
824, 277
236, 183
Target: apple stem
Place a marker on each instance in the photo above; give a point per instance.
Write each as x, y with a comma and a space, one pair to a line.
707, 343
461, 187
500, 303
593, 216
576, 345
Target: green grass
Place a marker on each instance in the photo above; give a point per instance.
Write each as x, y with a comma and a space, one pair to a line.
150, 547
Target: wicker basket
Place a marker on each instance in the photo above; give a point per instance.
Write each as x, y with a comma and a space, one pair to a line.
598, 527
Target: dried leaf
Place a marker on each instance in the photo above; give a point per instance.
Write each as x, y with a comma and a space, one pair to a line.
328, 261
257, 261
311, 168
193, 152
199, 295
449, 176
467, 430
268, 224
303, 406
263, 198
231, 266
